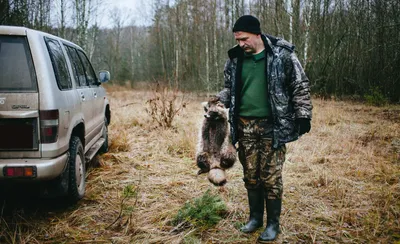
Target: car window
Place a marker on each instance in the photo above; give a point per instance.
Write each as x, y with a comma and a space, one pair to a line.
79, 71
90, 75
17, 73
59, 64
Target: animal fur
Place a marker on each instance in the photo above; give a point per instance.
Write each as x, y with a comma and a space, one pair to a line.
215, 152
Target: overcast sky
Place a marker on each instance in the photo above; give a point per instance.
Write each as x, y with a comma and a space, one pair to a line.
136, 11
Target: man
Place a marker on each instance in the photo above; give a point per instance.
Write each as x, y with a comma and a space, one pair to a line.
268, 95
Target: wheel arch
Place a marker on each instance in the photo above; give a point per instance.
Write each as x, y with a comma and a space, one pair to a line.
79, 131
108, 113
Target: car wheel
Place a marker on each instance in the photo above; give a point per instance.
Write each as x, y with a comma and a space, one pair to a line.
77, 172
104, 147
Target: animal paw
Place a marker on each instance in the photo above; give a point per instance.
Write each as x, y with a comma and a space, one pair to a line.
202, 171
228, 158
203, 163
226, 163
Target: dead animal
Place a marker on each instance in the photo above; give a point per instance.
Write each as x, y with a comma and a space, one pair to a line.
215, 153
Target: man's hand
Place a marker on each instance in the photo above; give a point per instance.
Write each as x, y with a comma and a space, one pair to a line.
304, 125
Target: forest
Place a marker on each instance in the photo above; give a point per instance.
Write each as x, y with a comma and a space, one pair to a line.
349, 48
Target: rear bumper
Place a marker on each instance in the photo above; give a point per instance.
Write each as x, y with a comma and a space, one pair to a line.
47, 169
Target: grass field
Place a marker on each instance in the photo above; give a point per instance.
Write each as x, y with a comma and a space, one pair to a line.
341, 182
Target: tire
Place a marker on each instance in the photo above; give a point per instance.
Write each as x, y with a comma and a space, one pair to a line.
104, 147
77, 170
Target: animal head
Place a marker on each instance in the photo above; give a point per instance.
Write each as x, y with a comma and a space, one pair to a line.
214, 110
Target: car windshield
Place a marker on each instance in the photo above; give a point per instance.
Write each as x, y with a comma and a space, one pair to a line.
16, 68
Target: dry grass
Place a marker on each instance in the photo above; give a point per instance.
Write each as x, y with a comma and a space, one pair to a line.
341, 182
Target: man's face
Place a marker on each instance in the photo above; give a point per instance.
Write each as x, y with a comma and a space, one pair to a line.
247, 41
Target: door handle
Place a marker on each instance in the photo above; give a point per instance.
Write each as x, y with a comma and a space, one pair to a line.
82, 96
95, 94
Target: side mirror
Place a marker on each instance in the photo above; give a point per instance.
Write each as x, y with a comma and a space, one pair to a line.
104, 76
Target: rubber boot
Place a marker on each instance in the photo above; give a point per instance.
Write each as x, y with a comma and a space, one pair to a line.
256, 205
271, 232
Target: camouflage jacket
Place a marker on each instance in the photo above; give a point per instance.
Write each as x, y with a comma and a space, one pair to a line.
288, 88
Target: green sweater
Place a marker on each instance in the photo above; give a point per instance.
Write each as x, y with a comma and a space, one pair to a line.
254, 94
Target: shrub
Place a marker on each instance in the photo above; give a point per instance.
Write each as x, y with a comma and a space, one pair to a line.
164, 105
375, 97
205, 211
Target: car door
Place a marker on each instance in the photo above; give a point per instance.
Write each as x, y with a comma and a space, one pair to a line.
85, 93
97, 93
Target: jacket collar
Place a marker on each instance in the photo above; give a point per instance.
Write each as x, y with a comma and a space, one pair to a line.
269, 41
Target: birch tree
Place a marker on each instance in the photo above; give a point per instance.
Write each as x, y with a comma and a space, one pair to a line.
83, 9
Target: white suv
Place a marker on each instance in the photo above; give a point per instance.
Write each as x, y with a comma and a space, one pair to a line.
53, 112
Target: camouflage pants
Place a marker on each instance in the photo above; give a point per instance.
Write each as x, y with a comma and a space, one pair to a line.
262, 165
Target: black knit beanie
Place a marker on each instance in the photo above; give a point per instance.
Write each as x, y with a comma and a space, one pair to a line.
247, 23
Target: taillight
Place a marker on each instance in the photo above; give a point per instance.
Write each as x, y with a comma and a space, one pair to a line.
24, 171
48, 125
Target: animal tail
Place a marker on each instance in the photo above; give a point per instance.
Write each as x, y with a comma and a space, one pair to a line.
217, 176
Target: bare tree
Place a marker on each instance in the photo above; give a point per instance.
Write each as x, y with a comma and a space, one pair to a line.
340, 42
83, 10
61, 6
